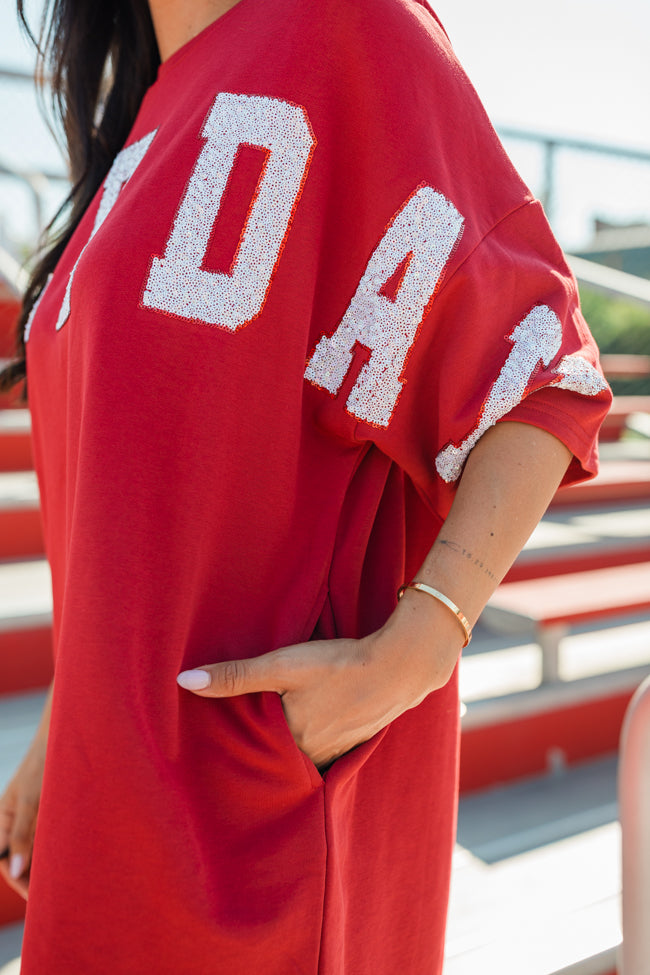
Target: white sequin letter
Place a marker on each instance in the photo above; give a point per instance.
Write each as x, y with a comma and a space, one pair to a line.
177, 284
124, 165
536, 339
421, 237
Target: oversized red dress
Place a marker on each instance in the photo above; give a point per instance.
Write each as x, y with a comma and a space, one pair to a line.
309, 284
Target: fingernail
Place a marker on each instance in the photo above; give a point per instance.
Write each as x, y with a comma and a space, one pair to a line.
194, 680
16, 866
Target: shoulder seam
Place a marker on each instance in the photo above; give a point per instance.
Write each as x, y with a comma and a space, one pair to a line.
506, 216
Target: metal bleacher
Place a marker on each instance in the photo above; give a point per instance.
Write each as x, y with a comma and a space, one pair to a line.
537, 876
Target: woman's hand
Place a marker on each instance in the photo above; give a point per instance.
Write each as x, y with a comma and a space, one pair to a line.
19, 809
18, 812
339, 693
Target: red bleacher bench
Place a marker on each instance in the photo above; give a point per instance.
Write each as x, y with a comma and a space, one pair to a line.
617, 366
9, 311
15, 440
565, 561
21, 532
617, 481
551, 605
622, 408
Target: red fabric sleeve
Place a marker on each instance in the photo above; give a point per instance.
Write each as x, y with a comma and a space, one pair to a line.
455, 306
505, 340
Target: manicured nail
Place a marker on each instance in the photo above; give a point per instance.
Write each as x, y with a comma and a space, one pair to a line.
194, 680
16, 866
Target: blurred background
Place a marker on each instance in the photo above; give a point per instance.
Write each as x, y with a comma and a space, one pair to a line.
565, 643
566, 84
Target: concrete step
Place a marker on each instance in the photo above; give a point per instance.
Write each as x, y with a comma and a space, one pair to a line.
19, 717
536, 879
11, 937
25, 593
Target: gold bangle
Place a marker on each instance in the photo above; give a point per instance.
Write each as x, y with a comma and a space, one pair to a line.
462, 619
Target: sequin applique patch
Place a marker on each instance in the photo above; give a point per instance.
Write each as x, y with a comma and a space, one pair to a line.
422, 236
177, 283
32, 314
124, 165
536, 339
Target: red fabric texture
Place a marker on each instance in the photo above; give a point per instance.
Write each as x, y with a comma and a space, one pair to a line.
204, 500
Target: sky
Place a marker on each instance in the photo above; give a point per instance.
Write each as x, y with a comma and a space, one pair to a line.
576, 68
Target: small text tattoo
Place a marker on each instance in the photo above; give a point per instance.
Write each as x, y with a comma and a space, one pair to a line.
466, 554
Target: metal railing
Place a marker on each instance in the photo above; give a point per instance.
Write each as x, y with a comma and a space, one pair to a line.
634, 800
12, 271
551, 145
37, 182
17, 74
610, 281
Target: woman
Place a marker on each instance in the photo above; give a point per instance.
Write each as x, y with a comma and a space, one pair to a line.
307, 337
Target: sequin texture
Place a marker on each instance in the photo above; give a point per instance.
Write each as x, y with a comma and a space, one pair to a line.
427, 227
177, 284
124, 165
536, 339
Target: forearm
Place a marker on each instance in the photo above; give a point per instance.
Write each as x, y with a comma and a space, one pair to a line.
338, 693
508, 481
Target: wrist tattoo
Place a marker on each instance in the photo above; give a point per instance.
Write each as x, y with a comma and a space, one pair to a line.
469, 556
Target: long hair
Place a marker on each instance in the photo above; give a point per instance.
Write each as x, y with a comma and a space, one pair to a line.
98, 59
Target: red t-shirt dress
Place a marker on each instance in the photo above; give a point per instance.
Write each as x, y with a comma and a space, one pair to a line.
309, 283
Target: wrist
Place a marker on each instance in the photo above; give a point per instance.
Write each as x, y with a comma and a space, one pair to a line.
423, 639
433, 593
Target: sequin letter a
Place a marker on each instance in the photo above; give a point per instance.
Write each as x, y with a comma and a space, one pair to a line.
124, 165
422, 237
536, 339
177, 283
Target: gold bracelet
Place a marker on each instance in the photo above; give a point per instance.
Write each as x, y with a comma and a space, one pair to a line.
462, 619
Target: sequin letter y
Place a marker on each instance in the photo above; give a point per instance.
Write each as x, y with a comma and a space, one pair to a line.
124, 165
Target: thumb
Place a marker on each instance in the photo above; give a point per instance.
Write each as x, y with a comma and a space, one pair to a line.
233, 677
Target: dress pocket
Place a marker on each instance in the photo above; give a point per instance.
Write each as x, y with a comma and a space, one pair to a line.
342, 768
273, 703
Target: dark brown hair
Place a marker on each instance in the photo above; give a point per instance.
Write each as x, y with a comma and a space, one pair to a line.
99, 58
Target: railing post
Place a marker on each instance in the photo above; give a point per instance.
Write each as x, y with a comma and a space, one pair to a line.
634, 799
548, 191
549, 639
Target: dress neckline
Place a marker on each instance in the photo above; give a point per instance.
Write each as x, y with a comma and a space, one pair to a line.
195, 41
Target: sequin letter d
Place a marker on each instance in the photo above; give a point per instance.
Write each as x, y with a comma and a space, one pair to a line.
177, 282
